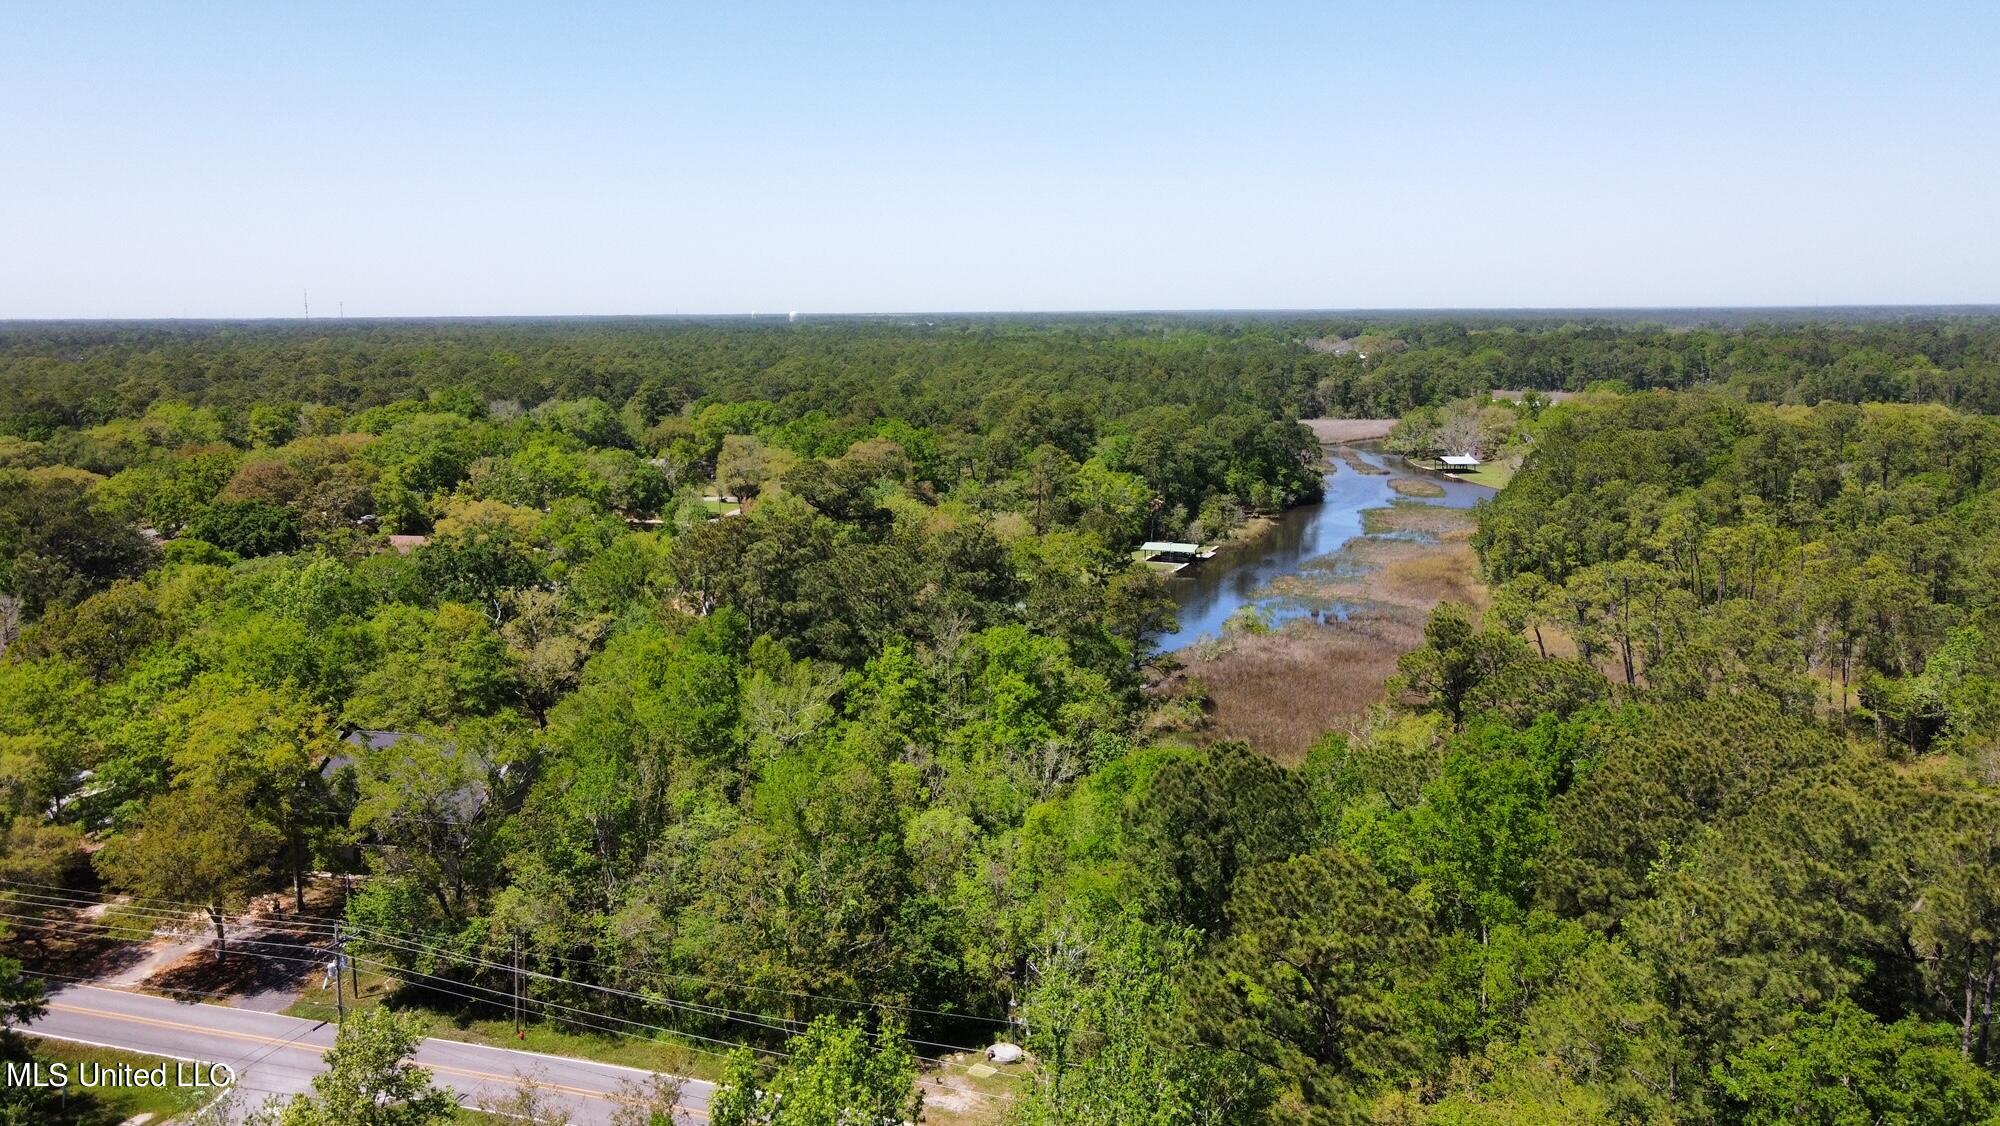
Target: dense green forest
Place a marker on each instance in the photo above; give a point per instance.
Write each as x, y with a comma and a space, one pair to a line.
791, 686
977, 374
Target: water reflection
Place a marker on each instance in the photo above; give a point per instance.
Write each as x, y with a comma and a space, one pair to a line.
1305, 536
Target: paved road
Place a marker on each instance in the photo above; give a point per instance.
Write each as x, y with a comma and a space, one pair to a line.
279, 1055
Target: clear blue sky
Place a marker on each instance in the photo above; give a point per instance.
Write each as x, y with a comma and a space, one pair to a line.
214, 160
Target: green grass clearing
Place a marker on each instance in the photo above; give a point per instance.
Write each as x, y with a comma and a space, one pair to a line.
639, 1050
105, 1106
955, 1095
1493, 474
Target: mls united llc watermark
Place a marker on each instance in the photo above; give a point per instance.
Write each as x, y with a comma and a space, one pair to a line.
91, 1074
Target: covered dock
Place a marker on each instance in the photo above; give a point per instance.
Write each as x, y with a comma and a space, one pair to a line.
1171, 556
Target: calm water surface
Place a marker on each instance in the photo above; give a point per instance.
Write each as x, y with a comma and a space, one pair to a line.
1238, 577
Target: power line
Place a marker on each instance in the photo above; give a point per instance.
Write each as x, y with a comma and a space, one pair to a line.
533, 1000
497, 993
747, 987
715, 1011
711, 1011
705, 1010
269, 1045
46, 975
136, 904
419, 941
58, 924
393, 940
430, 980
43, 923
145, 915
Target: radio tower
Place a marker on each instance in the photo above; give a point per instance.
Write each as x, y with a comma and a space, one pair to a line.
306, 300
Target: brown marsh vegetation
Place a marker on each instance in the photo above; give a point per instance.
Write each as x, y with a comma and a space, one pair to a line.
1282, 690
1353, 460
1333, 431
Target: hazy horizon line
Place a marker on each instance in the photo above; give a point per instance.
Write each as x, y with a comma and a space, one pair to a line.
1992, 307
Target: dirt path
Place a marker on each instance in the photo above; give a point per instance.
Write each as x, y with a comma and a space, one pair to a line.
160, 953
270, 956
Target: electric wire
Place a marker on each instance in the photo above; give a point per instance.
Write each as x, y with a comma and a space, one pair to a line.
409, 942
430, 983
393, 940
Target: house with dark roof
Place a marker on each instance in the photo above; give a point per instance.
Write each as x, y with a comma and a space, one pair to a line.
464, 805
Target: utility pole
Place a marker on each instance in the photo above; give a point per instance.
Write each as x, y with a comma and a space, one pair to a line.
519, 1032
339, 985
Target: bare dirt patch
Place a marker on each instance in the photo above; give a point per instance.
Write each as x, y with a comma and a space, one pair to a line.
273, 960
1281, 691
1336, 430
270, 955
72, 945
959, 1092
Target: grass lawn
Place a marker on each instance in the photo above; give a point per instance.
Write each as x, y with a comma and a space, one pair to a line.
565, 1040
689, 1058
498, 1031
1493, 474
105, 1106
990, 1095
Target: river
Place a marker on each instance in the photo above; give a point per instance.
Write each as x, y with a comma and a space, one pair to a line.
1238, 577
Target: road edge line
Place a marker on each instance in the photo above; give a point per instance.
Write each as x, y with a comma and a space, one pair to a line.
197, 1113
566, 1059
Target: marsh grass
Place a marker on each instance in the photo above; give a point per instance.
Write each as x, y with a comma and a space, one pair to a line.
1353, 460
1281, 691
1424, 520
1336, 430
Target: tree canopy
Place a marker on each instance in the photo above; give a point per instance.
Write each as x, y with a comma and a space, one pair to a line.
795, 687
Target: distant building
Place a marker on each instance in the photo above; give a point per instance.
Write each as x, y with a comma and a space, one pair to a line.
1169, 556
461, 805
362, 740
